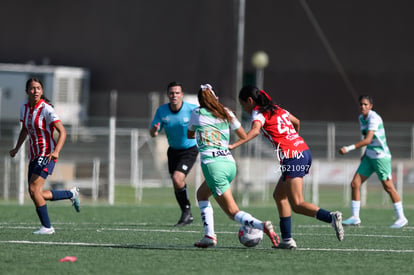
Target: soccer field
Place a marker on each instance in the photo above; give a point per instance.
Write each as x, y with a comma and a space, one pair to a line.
133, 239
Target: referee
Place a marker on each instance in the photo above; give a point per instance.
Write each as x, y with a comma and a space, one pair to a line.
173, 117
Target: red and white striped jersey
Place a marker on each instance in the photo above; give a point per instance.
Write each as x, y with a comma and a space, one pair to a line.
280, 131
39, 123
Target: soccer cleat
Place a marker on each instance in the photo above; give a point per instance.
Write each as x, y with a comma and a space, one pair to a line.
400, 223
186, 218
352, 221
268, 229
288, 244
206, 241
337, 225
44, 231
75, 198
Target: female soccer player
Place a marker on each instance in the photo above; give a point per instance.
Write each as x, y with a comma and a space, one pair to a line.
377, 158
281, 128
39, 121
210, 125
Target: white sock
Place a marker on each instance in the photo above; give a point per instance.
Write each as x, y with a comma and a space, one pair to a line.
355, 207
398, 209
245, 218
207, 217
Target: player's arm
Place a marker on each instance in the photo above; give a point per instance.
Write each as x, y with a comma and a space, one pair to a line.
241, 133
155, 129
295, 121
190, 134
367, 140
253, 132
20, 140
61, 140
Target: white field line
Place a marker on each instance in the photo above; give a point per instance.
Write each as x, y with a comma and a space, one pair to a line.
97, 228
157, 247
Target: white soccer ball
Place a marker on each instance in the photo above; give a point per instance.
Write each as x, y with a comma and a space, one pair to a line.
250, 237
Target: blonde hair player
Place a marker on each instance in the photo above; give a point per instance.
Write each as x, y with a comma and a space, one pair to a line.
210, 125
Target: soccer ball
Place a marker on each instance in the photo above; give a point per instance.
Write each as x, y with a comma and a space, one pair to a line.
250, 237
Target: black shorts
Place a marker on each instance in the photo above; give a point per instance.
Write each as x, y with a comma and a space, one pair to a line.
181, 160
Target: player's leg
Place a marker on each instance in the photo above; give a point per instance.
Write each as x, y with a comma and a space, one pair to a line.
207, 216
72, 194
384, 172
36, 184
285, 216
180, 163
294, 191
224, 173
182, 197
363, 172
229, 206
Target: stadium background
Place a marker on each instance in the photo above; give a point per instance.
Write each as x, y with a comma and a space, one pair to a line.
139, 46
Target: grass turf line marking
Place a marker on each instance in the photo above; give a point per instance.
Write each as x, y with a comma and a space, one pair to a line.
177, 247
101, 229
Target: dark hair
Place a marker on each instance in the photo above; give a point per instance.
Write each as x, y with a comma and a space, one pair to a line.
207, 99
371, 101
260, 97
173, 84
35, 79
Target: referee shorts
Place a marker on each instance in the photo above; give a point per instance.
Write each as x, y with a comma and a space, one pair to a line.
181, 159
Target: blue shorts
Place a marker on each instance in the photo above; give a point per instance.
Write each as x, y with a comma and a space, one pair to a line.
296, 167
41, 166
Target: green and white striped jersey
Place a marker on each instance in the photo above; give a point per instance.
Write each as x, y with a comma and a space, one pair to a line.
378, 147
212, 134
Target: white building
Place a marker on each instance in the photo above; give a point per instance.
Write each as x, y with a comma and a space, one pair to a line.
66, 87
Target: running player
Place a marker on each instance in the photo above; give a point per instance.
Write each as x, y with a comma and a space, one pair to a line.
210, 125
281, 128
39, 120
173, 117
377, 158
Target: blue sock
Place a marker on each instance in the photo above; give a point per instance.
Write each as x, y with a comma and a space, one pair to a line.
43, 216
61, 195
324, 215
286, 227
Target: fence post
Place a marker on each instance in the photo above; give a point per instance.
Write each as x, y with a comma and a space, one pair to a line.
412, 142
347, 185
6, 177
331, 141
95, 178
134, 157
400, 178
22, 174
112, 138
315, 182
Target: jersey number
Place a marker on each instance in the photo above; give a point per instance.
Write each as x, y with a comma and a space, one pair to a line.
209, 137
284, 125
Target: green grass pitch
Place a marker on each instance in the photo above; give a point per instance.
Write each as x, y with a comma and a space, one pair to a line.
139, 239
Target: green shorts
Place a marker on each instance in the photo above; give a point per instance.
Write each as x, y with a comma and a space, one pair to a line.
382, 167
218, 175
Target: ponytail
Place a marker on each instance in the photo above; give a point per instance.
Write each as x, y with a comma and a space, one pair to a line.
208, 99
260, 97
